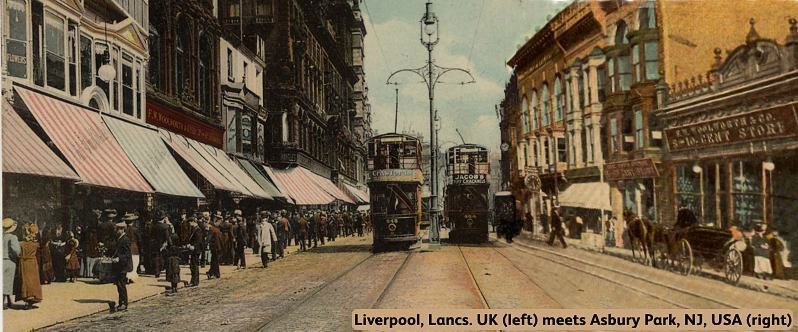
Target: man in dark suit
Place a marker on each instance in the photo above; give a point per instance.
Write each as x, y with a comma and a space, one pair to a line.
123, 263
163, 237
214, 239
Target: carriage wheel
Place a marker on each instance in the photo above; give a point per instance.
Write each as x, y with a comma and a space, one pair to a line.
661, 257
733, 266
685, 258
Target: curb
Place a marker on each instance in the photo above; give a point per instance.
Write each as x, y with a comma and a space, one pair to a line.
772, 290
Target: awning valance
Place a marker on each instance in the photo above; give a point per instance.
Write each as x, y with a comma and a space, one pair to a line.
261, 179
86, 142
299, 186
25, 153
183, 147
590, 195
152, 158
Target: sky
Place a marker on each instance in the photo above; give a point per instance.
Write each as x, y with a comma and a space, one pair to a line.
477, 35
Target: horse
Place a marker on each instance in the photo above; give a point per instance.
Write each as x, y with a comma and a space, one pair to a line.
641, 231
668, 237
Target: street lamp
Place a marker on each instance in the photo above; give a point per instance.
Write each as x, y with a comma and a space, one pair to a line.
431, 74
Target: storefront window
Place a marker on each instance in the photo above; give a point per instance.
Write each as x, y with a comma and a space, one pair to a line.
688, 189
17, 41
246, 135
260, 141
232, 130
55, 52
747, 192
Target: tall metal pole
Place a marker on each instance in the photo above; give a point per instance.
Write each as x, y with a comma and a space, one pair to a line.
431, 74
396, 112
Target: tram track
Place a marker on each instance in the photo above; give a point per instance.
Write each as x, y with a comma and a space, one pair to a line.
291, 307
390, 283
549, 256
474, 279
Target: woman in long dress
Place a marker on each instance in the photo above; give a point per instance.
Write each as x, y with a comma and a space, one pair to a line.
11, 251
47, 274
30, 289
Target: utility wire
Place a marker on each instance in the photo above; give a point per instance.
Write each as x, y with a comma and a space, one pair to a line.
376, 36
476, 32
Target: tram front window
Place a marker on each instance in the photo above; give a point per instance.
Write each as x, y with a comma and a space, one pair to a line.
394, 153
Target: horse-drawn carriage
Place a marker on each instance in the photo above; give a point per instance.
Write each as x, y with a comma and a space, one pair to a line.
687, 246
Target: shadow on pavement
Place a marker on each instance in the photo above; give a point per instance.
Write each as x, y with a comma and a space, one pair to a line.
85, 301
343, 248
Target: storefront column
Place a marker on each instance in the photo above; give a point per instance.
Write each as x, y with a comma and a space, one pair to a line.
616, 202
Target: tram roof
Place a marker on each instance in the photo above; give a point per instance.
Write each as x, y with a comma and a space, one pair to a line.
405, 136
469, 145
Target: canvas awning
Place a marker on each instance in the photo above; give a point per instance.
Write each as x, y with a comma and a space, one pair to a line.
183, 147
86, 142
152, 158
328, 186
25, 153
261, 179
360, 196
302, 189
590, 195
230, 168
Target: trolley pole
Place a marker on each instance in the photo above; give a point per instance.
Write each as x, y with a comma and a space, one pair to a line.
431, 74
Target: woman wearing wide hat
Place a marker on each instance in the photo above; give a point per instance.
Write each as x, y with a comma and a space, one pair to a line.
30, 289
11, 252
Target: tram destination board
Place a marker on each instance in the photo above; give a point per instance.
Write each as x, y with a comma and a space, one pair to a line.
470, 179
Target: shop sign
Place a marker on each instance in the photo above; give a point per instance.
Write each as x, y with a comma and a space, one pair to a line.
773, 123
628, 170
182, 124
470, 179
397, 175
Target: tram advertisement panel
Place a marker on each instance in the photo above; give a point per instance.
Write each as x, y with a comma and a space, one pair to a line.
470, 179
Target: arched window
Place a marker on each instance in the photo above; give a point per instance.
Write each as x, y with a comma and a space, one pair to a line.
182, 49
558, 102
525, 113
581, 88
544, 104
647, 16
534, 114
620, 33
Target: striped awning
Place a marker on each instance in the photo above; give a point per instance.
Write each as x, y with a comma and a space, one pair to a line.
86, 142
328, 186
231, 169
148, 152
181, 145
360, 196
299, 186
260, 178
25, 153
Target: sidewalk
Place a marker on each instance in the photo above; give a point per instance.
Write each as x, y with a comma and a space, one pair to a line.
66, 301
783, 288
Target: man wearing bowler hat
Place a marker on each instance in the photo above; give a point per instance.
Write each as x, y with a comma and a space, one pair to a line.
123, 263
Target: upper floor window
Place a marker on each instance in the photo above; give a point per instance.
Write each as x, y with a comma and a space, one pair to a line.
204, 76
558, 99
624, 73
647, 16
601, 83
652, 60
639, 128
525, 114
534, 114
154, 64
544, 104
182, 50
230, 65
17, 38
581, 89
636, 62
55, 56
86, 63
613, 134
620, 33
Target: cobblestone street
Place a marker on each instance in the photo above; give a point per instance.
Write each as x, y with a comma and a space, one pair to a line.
317, 290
